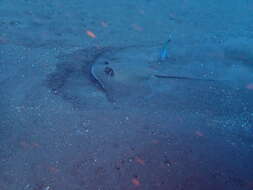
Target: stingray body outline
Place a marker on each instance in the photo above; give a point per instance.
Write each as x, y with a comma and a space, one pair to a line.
83, 61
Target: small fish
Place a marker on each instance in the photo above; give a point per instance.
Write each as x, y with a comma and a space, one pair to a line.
164, 51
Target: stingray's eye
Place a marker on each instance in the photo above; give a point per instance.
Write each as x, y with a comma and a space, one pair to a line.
109, 71
106, 62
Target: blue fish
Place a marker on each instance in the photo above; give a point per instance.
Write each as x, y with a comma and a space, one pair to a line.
164, 51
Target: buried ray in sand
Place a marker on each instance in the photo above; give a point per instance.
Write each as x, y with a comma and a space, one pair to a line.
124, 73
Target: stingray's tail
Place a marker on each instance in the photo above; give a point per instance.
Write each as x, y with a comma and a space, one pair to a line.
179, 77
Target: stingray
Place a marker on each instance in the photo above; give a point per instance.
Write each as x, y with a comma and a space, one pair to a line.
132, 66
105, 82
100, 84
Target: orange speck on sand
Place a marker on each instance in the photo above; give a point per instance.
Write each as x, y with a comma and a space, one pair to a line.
249, 184
140, 161
2, 40
90, 34
155, 141
136, 182
250, 86
35, 145
198, 133
25, 144
53, 169
137, 27
98, 47
104, 24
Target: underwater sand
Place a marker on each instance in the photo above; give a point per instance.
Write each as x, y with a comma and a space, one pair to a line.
59, 129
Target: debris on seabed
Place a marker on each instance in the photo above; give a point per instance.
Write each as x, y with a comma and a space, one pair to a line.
46, 188
168, 163
28, 187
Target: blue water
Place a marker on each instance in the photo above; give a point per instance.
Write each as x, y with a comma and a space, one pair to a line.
81, 106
